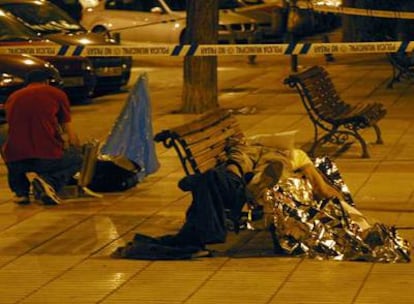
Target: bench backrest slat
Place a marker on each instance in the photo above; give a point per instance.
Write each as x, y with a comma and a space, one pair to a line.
210, 159
208, 142
201, 143
210, 131
319, 94
204, 122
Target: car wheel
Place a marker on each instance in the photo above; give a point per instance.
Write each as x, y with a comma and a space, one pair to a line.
99, 29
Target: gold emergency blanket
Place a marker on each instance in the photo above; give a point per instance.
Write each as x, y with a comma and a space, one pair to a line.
330, 229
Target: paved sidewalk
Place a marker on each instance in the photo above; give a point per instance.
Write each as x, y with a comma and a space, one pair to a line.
61, 254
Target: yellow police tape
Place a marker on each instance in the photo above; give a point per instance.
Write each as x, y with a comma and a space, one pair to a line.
364, 12
152, 50
306, 5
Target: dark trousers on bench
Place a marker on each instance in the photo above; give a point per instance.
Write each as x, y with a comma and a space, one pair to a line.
213, 192
56, 172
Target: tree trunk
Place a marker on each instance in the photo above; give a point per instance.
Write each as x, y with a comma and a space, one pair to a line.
200, 73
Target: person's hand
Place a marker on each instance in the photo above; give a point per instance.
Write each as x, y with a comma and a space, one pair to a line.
70, 140
327, 191
69, 135
234, 169
73, 140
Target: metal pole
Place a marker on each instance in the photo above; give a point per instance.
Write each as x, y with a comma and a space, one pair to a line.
291, 37
328, 57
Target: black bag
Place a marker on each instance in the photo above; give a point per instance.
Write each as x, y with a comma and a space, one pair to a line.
111, 177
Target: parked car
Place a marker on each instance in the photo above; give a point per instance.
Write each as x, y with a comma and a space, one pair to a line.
76, 72
304, 20
271, 21
51, 22
13, 70
160, 21
72, 7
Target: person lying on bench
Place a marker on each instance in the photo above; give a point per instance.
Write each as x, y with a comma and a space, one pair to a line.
250, 170
263, 164
309, 215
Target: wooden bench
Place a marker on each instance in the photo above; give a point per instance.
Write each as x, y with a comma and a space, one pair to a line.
402, 67
201, 144
330, 114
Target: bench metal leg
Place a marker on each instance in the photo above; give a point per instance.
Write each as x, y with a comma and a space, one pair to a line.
312, 149
365, 153
378, 133
396, 77
390, 84
319, 142
331, 137
393, 79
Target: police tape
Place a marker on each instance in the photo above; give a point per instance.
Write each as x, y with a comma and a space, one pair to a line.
362, 12
140, 50
306, 5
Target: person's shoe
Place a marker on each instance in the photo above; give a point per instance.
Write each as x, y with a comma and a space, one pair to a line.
44, 191
202, 253
21, 200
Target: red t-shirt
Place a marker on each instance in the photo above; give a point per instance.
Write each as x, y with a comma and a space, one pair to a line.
34, 114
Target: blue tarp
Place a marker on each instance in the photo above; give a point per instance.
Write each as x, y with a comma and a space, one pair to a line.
132, 135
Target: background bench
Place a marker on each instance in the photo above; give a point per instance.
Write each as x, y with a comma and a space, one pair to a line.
330, 114
402, 67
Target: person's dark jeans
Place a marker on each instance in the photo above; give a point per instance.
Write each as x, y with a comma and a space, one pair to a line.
56, 172
3, 135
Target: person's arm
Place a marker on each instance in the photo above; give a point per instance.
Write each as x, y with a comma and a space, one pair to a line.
64, 120
321, 188
72, 137
239, 161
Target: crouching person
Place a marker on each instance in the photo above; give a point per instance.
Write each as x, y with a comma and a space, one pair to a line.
35, 152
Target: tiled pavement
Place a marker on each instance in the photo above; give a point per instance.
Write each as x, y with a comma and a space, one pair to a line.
61, 254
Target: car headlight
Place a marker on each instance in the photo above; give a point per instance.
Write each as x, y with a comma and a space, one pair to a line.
49, 65
8, 80
87, 66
